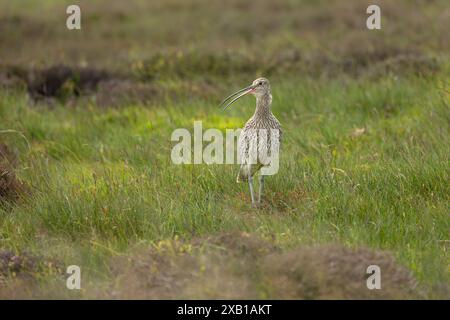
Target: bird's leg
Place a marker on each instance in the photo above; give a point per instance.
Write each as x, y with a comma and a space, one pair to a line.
250, 184
261, 187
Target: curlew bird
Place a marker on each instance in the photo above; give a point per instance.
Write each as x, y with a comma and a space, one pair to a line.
259, 140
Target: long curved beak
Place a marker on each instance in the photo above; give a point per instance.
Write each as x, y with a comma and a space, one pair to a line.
236, 96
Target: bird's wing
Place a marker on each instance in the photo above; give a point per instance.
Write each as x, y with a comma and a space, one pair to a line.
243, 146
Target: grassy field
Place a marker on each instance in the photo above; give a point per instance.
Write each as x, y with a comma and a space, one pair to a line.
87, 179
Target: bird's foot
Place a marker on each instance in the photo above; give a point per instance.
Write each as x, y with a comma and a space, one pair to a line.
256, 204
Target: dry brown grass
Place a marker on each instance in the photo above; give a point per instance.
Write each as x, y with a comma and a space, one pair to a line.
20, 274
209, 45
11, 188
223, 37
242, 266
226, 266
335, 272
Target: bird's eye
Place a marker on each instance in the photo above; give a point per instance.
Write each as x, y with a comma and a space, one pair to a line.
260, 83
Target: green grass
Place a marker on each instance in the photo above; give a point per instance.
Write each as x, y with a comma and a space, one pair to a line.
102, 180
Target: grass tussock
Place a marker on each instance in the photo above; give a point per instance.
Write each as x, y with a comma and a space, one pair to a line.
21, 273
240, 265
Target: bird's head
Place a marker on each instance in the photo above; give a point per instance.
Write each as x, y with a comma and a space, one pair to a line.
259, 88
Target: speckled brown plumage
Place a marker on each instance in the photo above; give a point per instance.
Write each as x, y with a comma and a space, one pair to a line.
261, 136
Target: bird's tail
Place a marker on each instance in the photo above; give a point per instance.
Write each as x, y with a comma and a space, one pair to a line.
240, 178
247, 170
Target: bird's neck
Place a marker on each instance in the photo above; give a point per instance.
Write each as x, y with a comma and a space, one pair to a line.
263, 104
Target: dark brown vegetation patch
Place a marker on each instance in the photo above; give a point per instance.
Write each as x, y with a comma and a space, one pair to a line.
7, 156
243, 266
116, 92
62, 81
10, 187
25, 266
58, 81
71, 84
12, 265
20, 272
